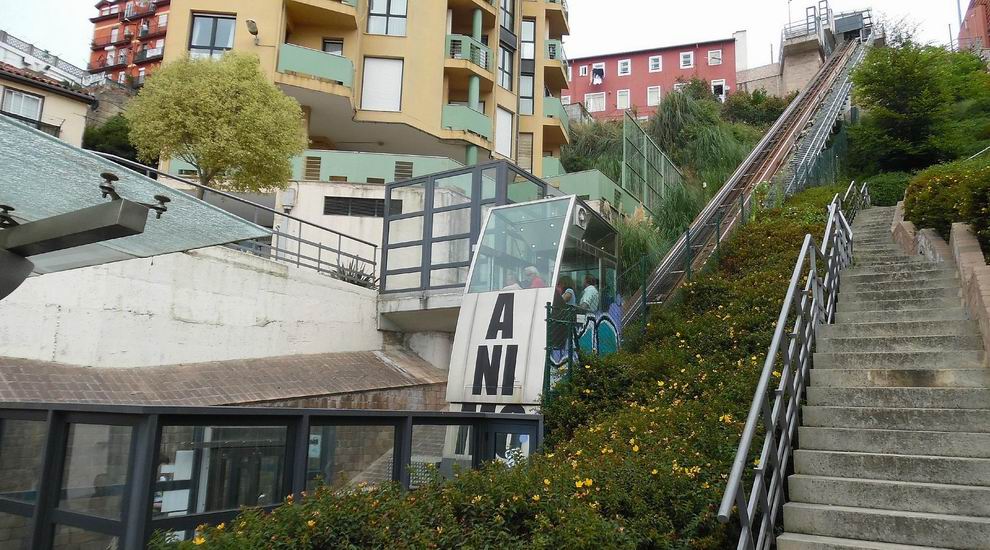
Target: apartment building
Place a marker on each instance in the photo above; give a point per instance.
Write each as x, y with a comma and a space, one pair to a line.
609, 85
975, 31
128, 39
394, 89
44, 103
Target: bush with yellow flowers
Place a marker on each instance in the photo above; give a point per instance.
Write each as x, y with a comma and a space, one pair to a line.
638, 443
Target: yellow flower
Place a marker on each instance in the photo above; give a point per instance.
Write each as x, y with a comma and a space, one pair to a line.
726, 418
546, 482
588, 482
198, 540
635, 448
579, 484
536, 498
654, 472
221, 526
311, 524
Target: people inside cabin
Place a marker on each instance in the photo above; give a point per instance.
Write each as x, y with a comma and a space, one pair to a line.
590, 297
565, 288
512, 282
533, 279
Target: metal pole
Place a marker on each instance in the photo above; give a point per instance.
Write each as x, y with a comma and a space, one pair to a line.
548, 360
688, 259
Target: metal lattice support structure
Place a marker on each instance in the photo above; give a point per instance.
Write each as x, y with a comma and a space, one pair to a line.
647, 172
810, 303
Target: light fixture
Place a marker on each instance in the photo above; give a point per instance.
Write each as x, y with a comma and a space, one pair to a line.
252, 26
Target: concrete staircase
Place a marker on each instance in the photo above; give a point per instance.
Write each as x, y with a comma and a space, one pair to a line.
894, 447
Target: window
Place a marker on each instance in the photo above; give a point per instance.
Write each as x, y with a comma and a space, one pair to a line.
333, 46
162, 20
680, 86
358, 207
526, 94
525, 160
622, 100
715, 57
719, 89
382, 86
311, 168
503, 132
570, 73
212, 36
565, 100
656, 63
583, 70
625, 67
528, 49
387, 17
595, 103
114, 34
687, 60
505, 59
22, 104
122, 77
653, 96
507, 15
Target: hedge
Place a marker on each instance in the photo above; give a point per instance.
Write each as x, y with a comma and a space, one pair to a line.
948, 193
888, 189
638, 446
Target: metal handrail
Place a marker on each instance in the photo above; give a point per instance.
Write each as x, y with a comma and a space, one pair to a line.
809, 306
978, 154
312, 246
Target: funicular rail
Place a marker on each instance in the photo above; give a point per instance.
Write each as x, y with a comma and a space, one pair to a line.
731, 206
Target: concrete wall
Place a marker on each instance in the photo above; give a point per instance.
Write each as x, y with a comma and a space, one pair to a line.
766, 77
799, 68
207, 305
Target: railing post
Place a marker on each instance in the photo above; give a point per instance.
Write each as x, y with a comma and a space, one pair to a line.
548, 360
643, 269
742, 208
689, 253
718, 236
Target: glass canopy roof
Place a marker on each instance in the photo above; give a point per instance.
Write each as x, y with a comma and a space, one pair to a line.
42, 176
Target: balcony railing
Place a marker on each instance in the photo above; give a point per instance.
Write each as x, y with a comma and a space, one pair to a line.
49, 129
467, 48
462, 117
153, 29
555, 51
553, 108
103, 41
316, 64
136, 12
148, 55
108, 62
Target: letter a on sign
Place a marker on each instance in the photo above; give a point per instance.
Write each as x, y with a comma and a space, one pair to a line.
501, 318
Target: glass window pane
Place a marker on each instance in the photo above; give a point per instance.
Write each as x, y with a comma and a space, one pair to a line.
528, 30
454, 222
404, 281
449, 276
225, 33
488, 179
406, 257
405, 230
343, 456
210, 468
202, 31
526, 85
439, 452
397, 26
378, 6
74, 538
199, 53
528, 50
398, 7
511, 448
452, 190
96, 460
15, 532
22, 445
520, 243
524, 190
526, 106
446, 252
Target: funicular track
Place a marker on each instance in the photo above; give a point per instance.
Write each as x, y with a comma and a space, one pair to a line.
731, 205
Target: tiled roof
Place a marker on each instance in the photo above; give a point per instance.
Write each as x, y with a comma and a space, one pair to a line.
43, 81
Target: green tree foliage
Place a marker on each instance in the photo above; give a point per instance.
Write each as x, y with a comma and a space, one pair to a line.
223, 117
638, 442
111, 137
888, 189
948, 193
923, 105
758, 109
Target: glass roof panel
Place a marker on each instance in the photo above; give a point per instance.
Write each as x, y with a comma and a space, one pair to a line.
42, 176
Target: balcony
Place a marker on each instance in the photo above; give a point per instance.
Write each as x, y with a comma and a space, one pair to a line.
315, 64
340, 14
552, 167
101, 42
49, 129
556, 124
153, 30
357, 167
461, 117
465, 48
556, 14
107, 63
556, 66
138, 11
145, 56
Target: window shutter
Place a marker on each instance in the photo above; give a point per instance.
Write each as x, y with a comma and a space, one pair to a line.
403, 170
382, 87
311, 171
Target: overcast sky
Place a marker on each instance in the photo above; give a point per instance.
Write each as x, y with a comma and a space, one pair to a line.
597, 26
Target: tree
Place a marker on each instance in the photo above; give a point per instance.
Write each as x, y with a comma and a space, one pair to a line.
111, 137
224, 118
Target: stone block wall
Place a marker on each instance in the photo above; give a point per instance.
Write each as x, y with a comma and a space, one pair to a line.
974, 273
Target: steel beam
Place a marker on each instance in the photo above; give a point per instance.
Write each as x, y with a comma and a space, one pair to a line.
103, 222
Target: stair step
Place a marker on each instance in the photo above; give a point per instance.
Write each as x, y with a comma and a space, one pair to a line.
852, 296
919, 283
936, 273
799, 541
922, 443
932, 498
901, 304
894, 360
901, 378
956, 313
911, 267
900, 527
950, 470
905, 328
883, 418
910, 398
900, 344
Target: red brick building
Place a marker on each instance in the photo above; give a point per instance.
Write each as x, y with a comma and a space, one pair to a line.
128, 39
610, 84
975, 31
